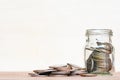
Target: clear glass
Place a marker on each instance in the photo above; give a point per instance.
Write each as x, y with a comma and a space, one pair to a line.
99, 52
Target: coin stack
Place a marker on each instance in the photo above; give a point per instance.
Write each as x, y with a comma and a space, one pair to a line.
99, 61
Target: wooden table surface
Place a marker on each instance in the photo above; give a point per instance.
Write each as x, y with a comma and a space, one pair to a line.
25, 76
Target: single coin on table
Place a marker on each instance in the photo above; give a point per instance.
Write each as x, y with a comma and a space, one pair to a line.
88, 75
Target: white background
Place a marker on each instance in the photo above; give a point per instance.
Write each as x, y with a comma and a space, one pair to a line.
37, 33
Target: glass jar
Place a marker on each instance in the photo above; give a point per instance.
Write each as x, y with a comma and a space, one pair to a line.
99, 57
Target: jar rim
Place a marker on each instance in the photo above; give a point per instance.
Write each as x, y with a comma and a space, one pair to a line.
98, 32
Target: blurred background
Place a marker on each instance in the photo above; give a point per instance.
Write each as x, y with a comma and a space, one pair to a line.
35, 34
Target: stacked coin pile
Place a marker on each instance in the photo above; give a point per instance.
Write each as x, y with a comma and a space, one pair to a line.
99, 61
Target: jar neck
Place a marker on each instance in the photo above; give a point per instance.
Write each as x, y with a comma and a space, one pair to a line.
99, 32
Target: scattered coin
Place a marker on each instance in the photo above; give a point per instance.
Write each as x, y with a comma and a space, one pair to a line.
44, 72
88, 75
61, 73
